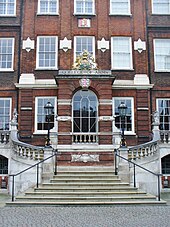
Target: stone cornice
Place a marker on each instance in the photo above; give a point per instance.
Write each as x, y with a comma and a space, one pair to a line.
35, 86
141, 87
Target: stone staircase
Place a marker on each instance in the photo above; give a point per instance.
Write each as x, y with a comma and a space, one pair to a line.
88, 187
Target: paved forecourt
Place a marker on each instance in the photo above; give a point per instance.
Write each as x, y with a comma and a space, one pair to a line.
85, 216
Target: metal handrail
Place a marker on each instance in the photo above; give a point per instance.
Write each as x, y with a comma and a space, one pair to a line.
37, 164
134, 172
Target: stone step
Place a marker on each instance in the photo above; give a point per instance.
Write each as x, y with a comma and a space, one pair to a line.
88, 172
82, 176
83, 193
87, 180
91, 203
87, 189
79, 184
88, 198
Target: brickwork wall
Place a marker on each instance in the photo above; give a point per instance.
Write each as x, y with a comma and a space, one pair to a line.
102, 25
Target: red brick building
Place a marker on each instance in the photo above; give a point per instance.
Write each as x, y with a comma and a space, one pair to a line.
85, 57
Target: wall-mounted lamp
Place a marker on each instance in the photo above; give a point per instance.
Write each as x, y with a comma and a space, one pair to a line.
122, 108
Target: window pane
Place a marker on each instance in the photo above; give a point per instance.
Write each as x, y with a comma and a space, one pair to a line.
85, 6
164, 113
7, 7
6, 53
84, 111
47, 52
161, 6
42, 122
162, 54
120, 7
84, 43
4, 113
48, 6
128, 118
121, 56
166, 164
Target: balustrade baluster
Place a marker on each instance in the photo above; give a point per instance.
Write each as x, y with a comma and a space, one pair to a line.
80, 138
164, 138
168, 138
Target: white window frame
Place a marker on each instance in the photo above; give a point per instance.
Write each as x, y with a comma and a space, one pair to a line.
157, 108
93, 46
48, 12
84, 12
36, 131
56, 54
7, 14
132, 132
160, 12
114, 67
10, 108
12, 58
120, 12
157, 67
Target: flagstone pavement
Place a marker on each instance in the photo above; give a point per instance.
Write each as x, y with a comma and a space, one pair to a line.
84, 216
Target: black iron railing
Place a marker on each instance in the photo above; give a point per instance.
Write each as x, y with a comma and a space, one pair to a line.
134, 171
37, 172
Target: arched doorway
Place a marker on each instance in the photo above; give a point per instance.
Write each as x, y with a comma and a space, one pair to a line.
85, 117
3, 172
165, 162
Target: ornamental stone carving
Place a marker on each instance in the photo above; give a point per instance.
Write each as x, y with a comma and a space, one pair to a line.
85, 158
85, 61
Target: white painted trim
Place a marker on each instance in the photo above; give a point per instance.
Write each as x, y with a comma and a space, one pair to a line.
130, 48
36, 131
48, 13
119, 13
132, 110
160, 13
84, 13
156, 69
10, 15
12, 63
10, 108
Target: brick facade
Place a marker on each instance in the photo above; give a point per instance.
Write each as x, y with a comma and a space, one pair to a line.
140, 24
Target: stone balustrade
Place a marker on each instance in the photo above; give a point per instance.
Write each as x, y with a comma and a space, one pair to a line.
85, 138
26, 150
165, 136
144, 150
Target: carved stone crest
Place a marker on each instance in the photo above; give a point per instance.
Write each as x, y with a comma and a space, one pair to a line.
85, 82
85, 61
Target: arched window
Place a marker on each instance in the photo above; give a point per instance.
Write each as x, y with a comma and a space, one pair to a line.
85, 112
166, 164
3, 165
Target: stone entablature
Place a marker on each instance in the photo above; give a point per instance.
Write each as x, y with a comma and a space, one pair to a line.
67, 74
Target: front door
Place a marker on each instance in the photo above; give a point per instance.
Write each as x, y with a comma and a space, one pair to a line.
85, 117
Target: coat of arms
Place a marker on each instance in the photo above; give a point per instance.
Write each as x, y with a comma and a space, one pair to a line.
85, 61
